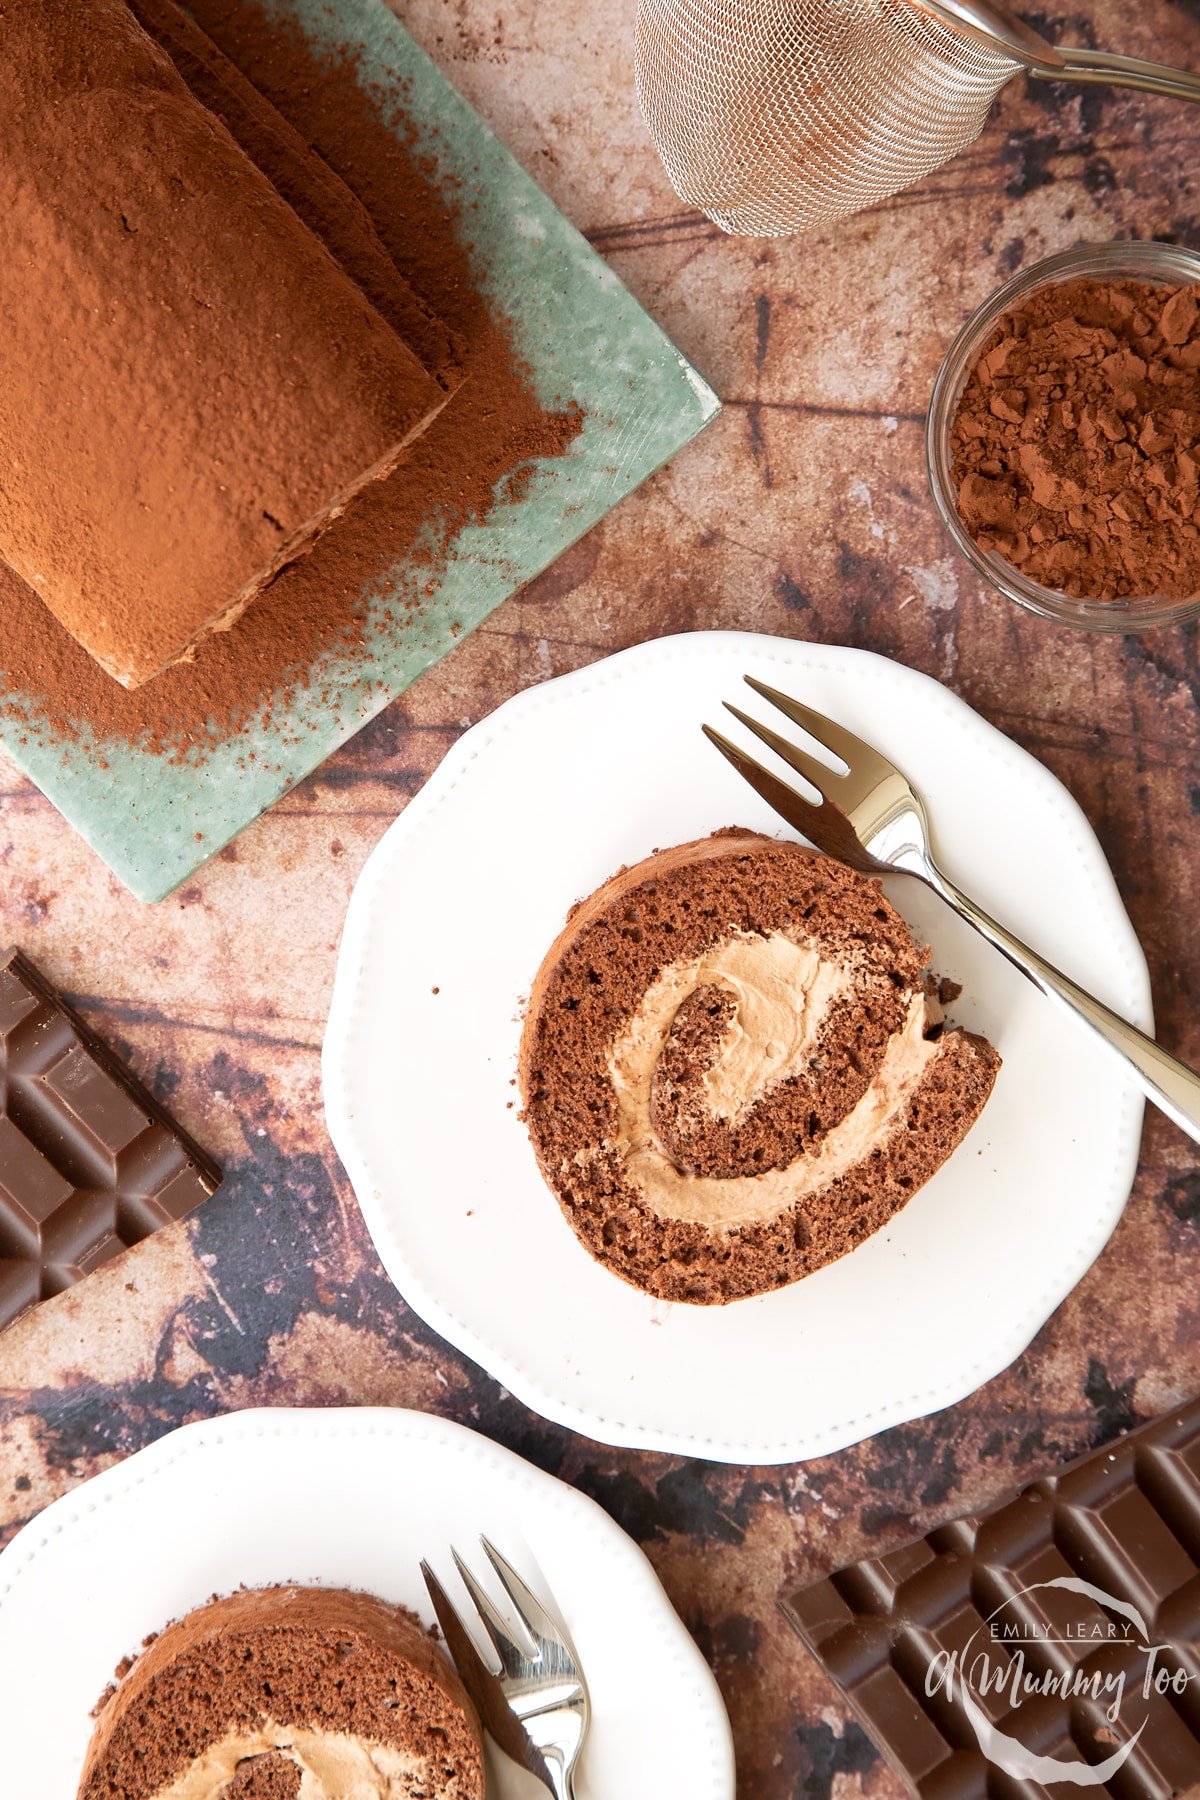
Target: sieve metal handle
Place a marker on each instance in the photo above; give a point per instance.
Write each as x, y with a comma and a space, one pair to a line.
1122, 71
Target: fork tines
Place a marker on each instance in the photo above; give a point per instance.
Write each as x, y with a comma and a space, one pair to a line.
532, 1696
822, 821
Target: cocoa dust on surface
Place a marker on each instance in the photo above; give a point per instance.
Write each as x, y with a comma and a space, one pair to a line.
1076, 443
481, 446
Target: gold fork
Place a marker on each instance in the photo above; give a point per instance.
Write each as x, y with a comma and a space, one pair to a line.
872, 818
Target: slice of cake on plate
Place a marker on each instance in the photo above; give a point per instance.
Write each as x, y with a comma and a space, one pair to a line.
735, 1067
282, 1692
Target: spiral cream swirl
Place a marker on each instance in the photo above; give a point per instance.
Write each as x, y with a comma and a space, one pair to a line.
333, 1765
780, 993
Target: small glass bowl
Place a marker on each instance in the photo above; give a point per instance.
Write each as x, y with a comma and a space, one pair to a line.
1148, 262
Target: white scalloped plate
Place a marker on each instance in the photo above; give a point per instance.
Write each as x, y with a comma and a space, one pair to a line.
341, 1498
530, 811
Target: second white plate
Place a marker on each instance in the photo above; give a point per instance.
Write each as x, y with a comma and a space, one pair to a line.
341, 1498
529, 812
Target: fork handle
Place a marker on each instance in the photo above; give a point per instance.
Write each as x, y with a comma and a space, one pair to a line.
1173, 1087
561, 1775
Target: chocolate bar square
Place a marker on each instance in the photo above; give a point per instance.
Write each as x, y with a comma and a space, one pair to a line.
89, 1161
1046, 1648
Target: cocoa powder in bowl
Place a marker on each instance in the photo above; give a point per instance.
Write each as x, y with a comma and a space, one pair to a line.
1076, 440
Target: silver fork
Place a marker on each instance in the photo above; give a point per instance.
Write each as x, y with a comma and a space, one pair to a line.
873, 818
536, 1703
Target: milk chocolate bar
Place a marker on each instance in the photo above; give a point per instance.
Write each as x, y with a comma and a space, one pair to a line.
191, 388
1046, 1648
89, 1161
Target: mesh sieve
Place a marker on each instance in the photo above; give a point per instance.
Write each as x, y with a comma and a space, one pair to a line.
777, 116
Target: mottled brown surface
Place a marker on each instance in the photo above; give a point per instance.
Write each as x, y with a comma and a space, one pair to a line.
803, 511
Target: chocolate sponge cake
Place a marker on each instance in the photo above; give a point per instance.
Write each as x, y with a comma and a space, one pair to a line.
190, 385
269, 1777
285, 1692
734, 1069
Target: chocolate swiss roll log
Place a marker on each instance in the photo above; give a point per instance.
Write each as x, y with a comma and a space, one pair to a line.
190, 386
284, 1692
734, 1068
306, 182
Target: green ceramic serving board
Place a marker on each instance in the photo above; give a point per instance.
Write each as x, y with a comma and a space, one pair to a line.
154, 820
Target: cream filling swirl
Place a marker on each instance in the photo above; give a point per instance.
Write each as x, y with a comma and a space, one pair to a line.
333, 1765
782, 992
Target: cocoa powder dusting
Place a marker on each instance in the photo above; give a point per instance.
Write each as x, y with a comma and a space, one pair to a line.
1076, 443
483, 443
